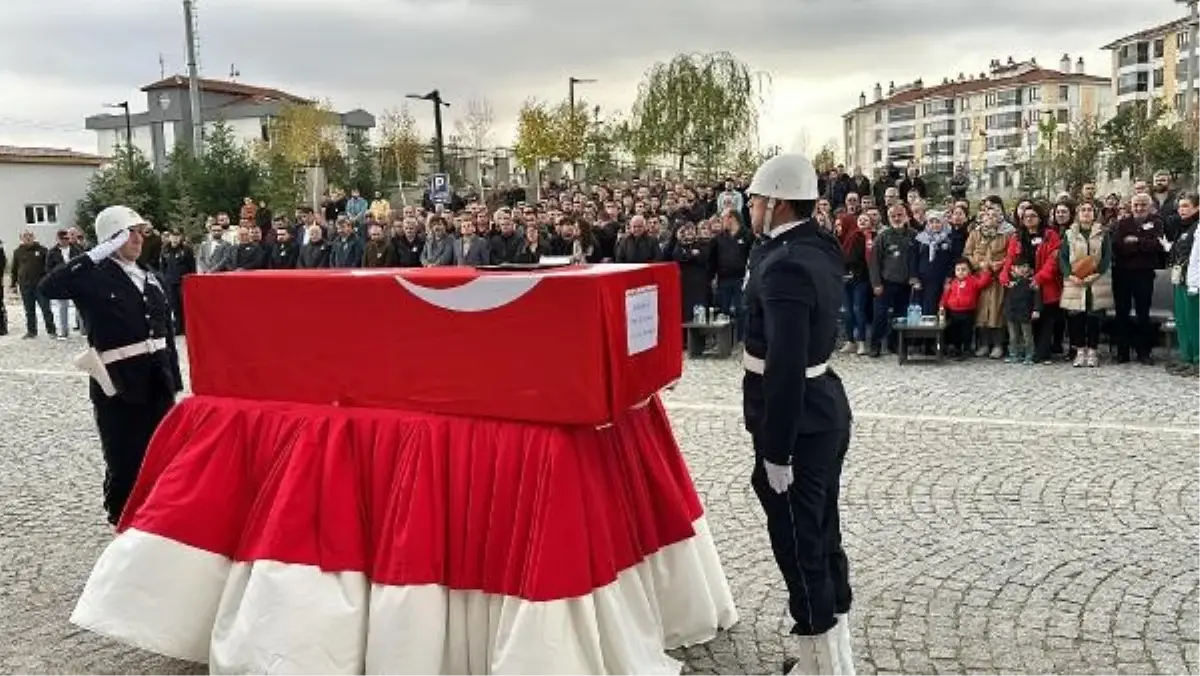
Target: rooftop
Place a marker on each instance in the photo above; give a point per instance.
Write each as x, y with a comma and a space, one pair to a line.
256, 94
962, 86
33, 155
1157, 31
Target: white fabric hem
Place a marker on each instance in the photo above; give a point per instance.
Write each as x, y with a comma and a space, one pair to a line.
268, 617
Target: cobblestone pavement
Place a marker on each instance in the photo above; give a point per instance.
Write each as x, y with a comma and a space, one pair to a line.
998, 518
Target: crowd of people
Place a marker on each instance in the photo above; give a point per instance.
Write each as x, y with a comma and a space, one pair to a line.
1041, 282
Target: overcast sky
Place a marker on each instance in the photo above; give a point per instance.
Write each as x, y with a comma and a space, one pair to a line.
61, 59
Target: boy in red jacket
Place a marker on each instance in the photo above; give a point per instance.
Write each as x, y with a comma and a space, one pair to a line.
958, 304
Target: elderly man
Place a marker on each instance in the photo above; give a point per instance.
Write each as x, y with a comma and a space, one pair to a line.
1137, 252
28, 269
637, 246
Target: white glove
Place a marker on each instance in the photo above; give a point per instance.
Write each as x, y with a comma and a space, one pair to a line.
109, 246
779, 477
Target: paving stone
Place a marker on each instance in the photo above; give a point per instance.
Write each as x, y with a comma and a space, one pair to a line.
988, 529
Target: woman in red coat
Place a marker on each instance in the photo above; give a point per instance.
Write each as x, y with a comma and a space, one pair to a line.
1047, 278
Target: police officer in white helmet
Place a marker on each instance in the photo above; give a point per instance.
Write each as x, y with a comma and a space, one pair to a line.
796, 408
132, 360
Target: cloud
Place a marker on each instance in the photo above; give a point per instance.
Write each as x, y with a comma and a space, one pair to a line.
60, 59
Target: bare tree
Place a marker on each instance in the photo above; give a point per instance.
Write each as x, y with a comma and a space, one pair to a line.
475, 126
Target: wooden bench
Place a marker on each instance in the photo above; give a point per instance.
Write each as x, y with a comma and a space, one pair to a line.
906, 333
699, 334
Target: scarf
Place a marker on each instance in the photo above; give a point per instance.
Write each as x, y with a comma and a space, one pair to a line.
933, 240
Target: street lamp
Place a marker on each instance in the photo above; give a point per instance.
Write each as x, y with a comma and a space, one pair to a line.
1193, 105
436, 98
571, 82
124, 105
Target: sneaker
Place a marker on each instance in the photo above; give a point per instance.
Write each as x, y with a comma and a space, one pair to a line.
1080, 358
849, 347
1013, 358
997, 352
1027, 361
874, 353
1093, 358
28, 336
982, 351
862, 349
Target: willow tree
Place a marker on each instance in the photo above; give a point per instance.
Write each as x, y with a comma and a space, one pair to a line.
698, 108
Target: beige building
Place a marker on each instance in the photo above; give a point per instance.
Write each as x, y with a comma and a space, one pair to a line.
984, 122
1152, 64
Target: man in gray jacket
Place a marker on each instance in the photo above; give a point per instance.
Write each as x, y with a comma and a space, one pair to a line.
214, 251
470, 249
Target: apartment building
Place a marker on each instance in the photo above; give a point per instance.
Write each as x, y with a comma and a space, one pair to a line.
982, 122
1152, 64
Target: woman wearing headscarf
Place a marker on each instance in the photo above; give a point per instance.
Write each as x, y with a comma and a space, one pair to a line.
1034, 237
934, 261
985, 248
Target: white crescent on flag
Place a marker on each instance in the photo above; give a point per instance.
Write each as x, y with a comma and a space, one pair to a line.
478, 295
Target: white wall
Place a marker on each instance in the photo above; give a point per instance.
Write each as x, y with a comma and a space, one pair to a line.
108, 140
22, 184
245, 130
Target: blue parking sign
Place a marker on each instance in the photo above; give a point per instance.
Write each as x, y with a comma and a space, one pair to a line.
439, 188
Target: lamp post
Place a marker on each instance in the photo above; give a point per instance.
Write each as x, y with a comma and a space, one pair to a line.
1193, 106
571, 82
124, 105
436, 98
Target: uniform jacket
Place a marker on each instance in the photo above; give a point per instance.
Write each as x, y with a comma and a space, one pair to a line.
119, 315
1076, 244
176, 262
478, 251
793, 298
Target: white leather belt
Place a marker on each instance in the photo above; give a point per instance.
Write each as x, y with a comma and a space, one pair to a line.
148, 346
755, 365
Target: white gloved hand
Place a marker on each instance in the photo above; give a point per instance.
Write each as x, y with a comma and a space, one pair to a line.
779, 477
109, 246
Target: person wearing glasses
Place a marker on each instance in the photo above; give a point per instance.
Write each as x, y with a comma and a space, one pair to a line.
131, 358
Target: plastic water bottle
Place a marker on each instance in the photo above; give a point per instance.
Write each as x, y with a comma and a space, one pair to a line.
914, 315
699, 314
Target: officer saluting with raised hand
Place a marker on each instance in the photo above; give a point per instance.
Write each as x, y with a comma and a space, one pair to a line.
796, 408
132, 357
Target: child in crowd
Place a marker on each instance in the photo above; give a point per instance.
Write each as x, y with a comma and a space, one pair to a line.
960, 298
1022, 305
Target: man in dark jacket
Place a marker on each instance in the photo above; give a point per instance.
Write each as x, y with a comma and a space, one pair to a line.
347, 248
284, 252
28, 269
378, 253
1137, 253
506, 244
637, 246
248, 254
56, 257
176, 262
730, 250
408, 244
316, 251
892, 276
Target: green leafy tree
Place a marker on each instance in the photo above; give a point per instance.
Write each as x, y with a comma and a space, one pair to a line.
600, 154
130, 181
1078, 156
278, 180
227, 172
536, 136
1169, 148
570, 130
1125, 137
697, 108
360, 161
180, 183
826, 158
401, 147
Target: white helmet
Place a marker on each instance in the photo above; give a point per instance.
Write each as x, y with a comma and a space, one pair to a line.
113, 220
785, 177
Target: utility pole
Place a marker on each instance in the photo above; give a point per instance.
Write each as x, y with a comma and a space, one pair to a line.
124, 105
571, 82
189, 25
436, 97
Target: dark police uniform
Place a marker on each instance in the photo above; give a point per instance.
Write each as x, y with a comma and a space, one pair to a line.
796, 412
176, 263
122, 316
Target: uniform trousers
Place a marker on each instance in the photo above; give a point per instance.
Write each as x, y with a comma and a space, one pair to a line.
175, 298
125, 430
805, 531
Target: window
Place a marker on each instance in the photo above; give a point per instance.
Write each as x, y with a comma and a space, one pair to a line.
943, 128
1034, 94
964, 103
1181, 103
878, 155
1158, 48
1158, 77
1009, 97
264, 129
1183, 39
1134, 53
964, 125
1002, 121
1181, 69
989, 101
938, 108
1062, 116
902, 114
41, 214
1137, 81
878, 135
1064, 92
905, 133
879, 116
1004, 142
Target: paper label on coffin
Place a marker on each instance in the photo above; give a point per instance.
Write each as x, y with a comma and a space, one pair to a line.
641, 319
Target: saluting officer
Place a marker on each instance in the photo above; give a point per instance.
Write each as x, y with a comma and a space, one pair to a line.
796, 408
132, 357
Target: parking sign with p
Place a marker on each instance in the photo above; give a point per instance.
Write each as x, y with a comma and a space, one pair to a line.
439, 188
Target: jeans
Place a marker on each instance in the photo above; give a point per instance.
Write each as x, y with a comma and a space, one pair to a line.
1020, 339
854, 309
729, 302
62, 316
32, 300
893, 302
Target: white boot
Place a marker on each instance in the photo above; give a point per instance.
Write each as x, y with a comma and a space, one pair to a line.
845, 644
818, 655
